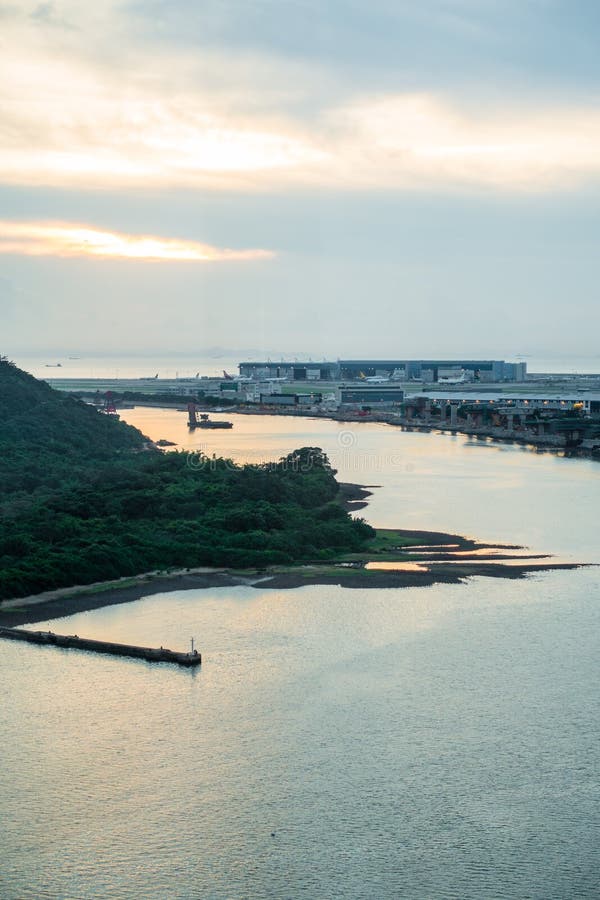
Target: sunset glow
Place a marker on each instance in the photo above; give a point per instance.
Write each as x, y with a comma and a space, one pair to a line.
161, 134
69, 239
405, 163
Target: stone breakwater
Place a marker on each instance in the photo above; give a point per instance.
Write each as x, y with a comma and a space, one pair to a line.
73, 641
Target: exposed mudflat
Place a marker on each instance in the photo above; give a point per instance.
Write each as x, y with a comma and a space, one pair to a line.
431, 558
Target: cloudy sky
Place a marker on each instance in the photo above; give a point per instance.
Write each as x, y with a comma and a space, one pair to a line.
342, 178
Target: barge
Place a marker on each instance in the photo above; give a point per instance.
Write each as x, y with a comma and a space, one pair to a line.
201, 420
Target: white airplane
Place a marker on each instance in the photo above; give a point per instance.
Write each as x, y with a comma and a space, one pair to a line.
237, 379
377, 379
452, 379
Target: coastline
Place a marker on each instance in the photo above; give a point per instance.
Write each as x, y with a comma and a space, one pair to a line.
416, 567
538, 443
354, 496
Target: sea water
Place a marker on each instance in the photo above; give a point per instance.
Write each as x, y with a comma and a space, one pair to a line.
415, 743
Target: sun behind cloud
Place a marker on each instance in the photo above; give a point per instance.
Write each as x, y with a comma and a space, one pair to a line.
68, 239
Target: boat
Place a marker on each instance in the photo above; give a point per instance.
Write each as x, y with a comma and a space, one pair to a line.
202, 421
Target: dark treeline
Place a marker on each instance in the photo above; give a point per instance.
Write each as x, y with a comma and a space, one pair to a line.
82, 500
158, 397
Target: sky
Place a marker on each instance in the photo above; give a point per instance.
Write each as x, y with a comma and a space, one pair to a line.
340, 179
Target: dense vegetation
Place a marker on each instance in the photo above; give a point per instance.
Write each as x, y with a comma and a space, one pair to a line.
159, 397
82, 499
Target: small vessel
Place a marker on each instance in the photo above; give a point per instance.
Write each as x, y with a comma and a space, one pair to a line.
54, 365
202, 420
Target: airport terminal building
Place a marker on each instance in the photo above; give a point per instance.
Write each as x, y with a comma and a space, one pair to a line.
434, 370
291, 371
427, 370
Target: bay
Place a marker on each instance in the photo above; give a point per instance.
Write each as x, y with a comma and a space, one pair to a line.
437, 742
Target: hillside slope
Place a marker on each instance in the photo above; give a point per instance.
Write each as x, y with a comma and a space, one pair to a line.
80, 503
46, 436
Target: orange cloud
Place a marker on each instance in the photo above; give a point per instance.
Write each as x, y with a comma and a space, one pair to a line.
70, 239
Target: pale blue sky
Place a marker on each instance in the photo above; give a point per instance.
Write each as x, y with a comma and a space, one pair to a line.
365, 179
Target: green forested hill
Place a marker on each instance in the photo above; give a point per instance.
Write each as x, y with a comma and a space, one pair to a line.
47, 437
81, 500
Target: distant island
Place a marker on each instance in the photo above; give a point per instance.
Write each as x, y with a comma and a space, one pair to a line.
88, 500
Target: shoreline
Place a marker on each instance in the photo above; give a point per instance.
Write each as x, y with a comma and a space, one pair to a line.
537, 443
425, 561
353, 497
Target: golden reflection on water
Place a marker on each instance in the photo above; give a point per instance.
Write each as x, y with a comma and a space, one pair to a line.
457, 716
430, 565
533, 563
496, 552
253, 438
427, 481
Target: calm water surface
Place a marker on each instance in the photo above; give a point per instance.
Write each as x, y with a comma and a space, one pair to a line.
438, 742
127, 365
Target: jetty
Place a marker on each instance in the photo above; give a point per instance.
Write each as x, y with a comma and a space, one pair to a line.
74, 642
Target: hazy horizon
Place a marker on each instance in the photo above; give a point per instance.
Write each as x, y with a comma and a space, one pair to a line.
188, 365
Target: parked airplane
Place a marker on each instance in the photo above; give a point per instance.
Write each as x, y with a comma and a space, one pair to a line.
238, 379
452, 379
396, 375
376, 379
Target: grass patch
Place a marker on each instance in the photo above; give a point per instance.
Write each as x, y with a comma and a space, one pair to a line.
387, 539
387, 545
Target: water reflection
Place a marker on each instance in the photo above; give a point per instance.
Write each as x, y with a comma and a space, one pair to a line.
453, 722
430, 742
428, 481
